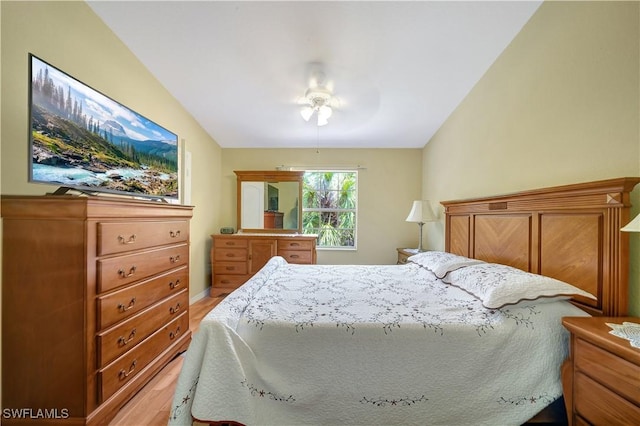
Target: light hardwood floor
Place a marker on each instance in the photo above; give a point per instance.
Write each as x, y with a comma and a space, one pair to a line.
151, 406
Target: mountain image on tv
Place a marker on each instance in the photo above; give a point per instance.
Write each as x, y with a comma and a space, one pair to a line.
82, 139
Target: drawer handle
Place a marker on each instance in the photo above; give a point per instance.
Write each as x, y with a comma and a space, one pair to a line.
124, 240
294, 244
173, 310
225, 281
124, 374
123, 308
230, 268
230, 255
173, 335
174, 234
174, 259
124, 274
123, 342
294, 256
230, 243
173, 285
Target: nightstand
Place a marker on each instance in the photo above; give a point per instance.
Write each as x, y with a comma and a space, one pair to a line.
404, 254
601, 378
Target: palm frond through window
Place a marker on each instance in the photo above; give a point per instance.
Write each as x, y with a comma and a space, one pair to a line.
329, 207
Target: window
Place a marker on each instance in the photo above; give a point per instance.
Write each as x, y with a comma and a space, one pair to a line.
329, 207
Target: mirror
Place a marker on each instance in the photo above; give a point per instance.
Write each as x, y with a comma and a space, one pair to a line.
269, 201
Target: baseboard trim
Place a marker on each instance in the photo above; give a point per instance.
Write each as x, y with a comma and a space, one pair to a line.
201, 295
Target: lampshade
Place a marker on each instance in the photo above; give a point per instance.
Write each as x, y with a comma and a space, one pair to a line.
322, 121
325, 111
306, 112
633, 226
421, 212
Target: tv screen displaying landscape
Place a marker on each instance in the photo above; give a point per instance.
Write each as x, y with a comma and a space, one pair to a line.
84, 140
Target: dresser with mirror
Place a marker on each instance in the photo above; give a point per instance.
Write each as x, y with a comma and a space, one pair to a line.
269, 222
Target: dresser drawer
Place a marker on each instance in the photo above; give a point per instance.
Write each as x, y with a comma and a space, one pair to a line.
118, 271
221, 280
118, 237
230, 242
284, 244
293, 256
123, 303
230, 268
599, 406
230, 254
126, 335
620, 375
121, 371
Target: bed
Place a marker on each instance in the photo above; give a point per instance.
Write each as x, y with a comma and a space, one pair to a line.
416, 343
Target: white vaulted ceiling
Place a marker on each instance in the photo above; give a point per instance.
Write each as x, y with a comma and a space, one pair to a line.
399, 69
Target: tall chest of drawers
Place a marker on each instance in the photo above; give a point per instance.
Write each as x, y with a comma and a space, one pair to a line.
236, 258
95, 302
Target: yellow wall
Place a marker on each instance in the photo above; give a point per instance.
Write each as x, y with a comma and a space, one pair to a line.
71, 37
387, 186
559, 106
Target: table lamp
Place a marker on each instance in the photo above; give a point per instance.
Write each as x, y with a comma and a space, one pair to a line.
421, 212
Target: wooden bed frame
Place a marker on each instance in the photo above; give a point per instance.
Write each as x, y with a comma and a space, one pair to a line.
571, 233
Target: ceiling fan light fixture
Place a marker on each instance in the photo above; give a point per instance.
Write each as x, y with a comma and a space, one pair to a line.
318, 100
322, 121
325, 111
306, 112
318, 94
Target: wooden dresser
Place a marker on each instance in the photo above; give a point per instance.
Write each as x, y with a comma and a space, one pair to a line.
95, 302
601, 379
236, 258
273, 220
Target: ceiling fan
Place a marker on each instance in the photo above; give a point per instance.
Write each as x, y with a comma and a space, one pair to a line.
318, 100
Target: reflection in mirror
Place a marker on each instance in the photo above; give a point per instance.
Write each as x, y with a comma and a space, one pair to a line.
269, 205
269, 201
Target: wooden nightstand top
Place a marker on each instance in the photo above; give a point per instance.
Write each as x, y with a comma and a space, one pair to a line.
596, 331
408, 251
404, 254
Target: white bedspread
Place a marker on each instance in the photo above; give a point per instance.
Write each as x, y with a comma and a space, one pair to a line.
365, 344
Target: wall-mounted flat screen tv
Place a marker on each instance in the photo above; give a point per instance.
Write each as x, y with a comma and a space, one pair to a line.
84, 140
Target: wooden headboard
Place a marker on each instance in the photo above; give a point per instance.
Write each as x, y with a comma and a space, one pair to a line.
571, 233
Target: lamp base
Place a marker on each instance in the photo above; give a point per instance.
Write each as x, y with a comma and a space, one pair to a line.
420, 224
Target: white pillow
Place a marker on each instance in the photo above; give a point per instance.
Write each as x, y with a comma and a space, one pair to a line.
499, 285
441, 263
